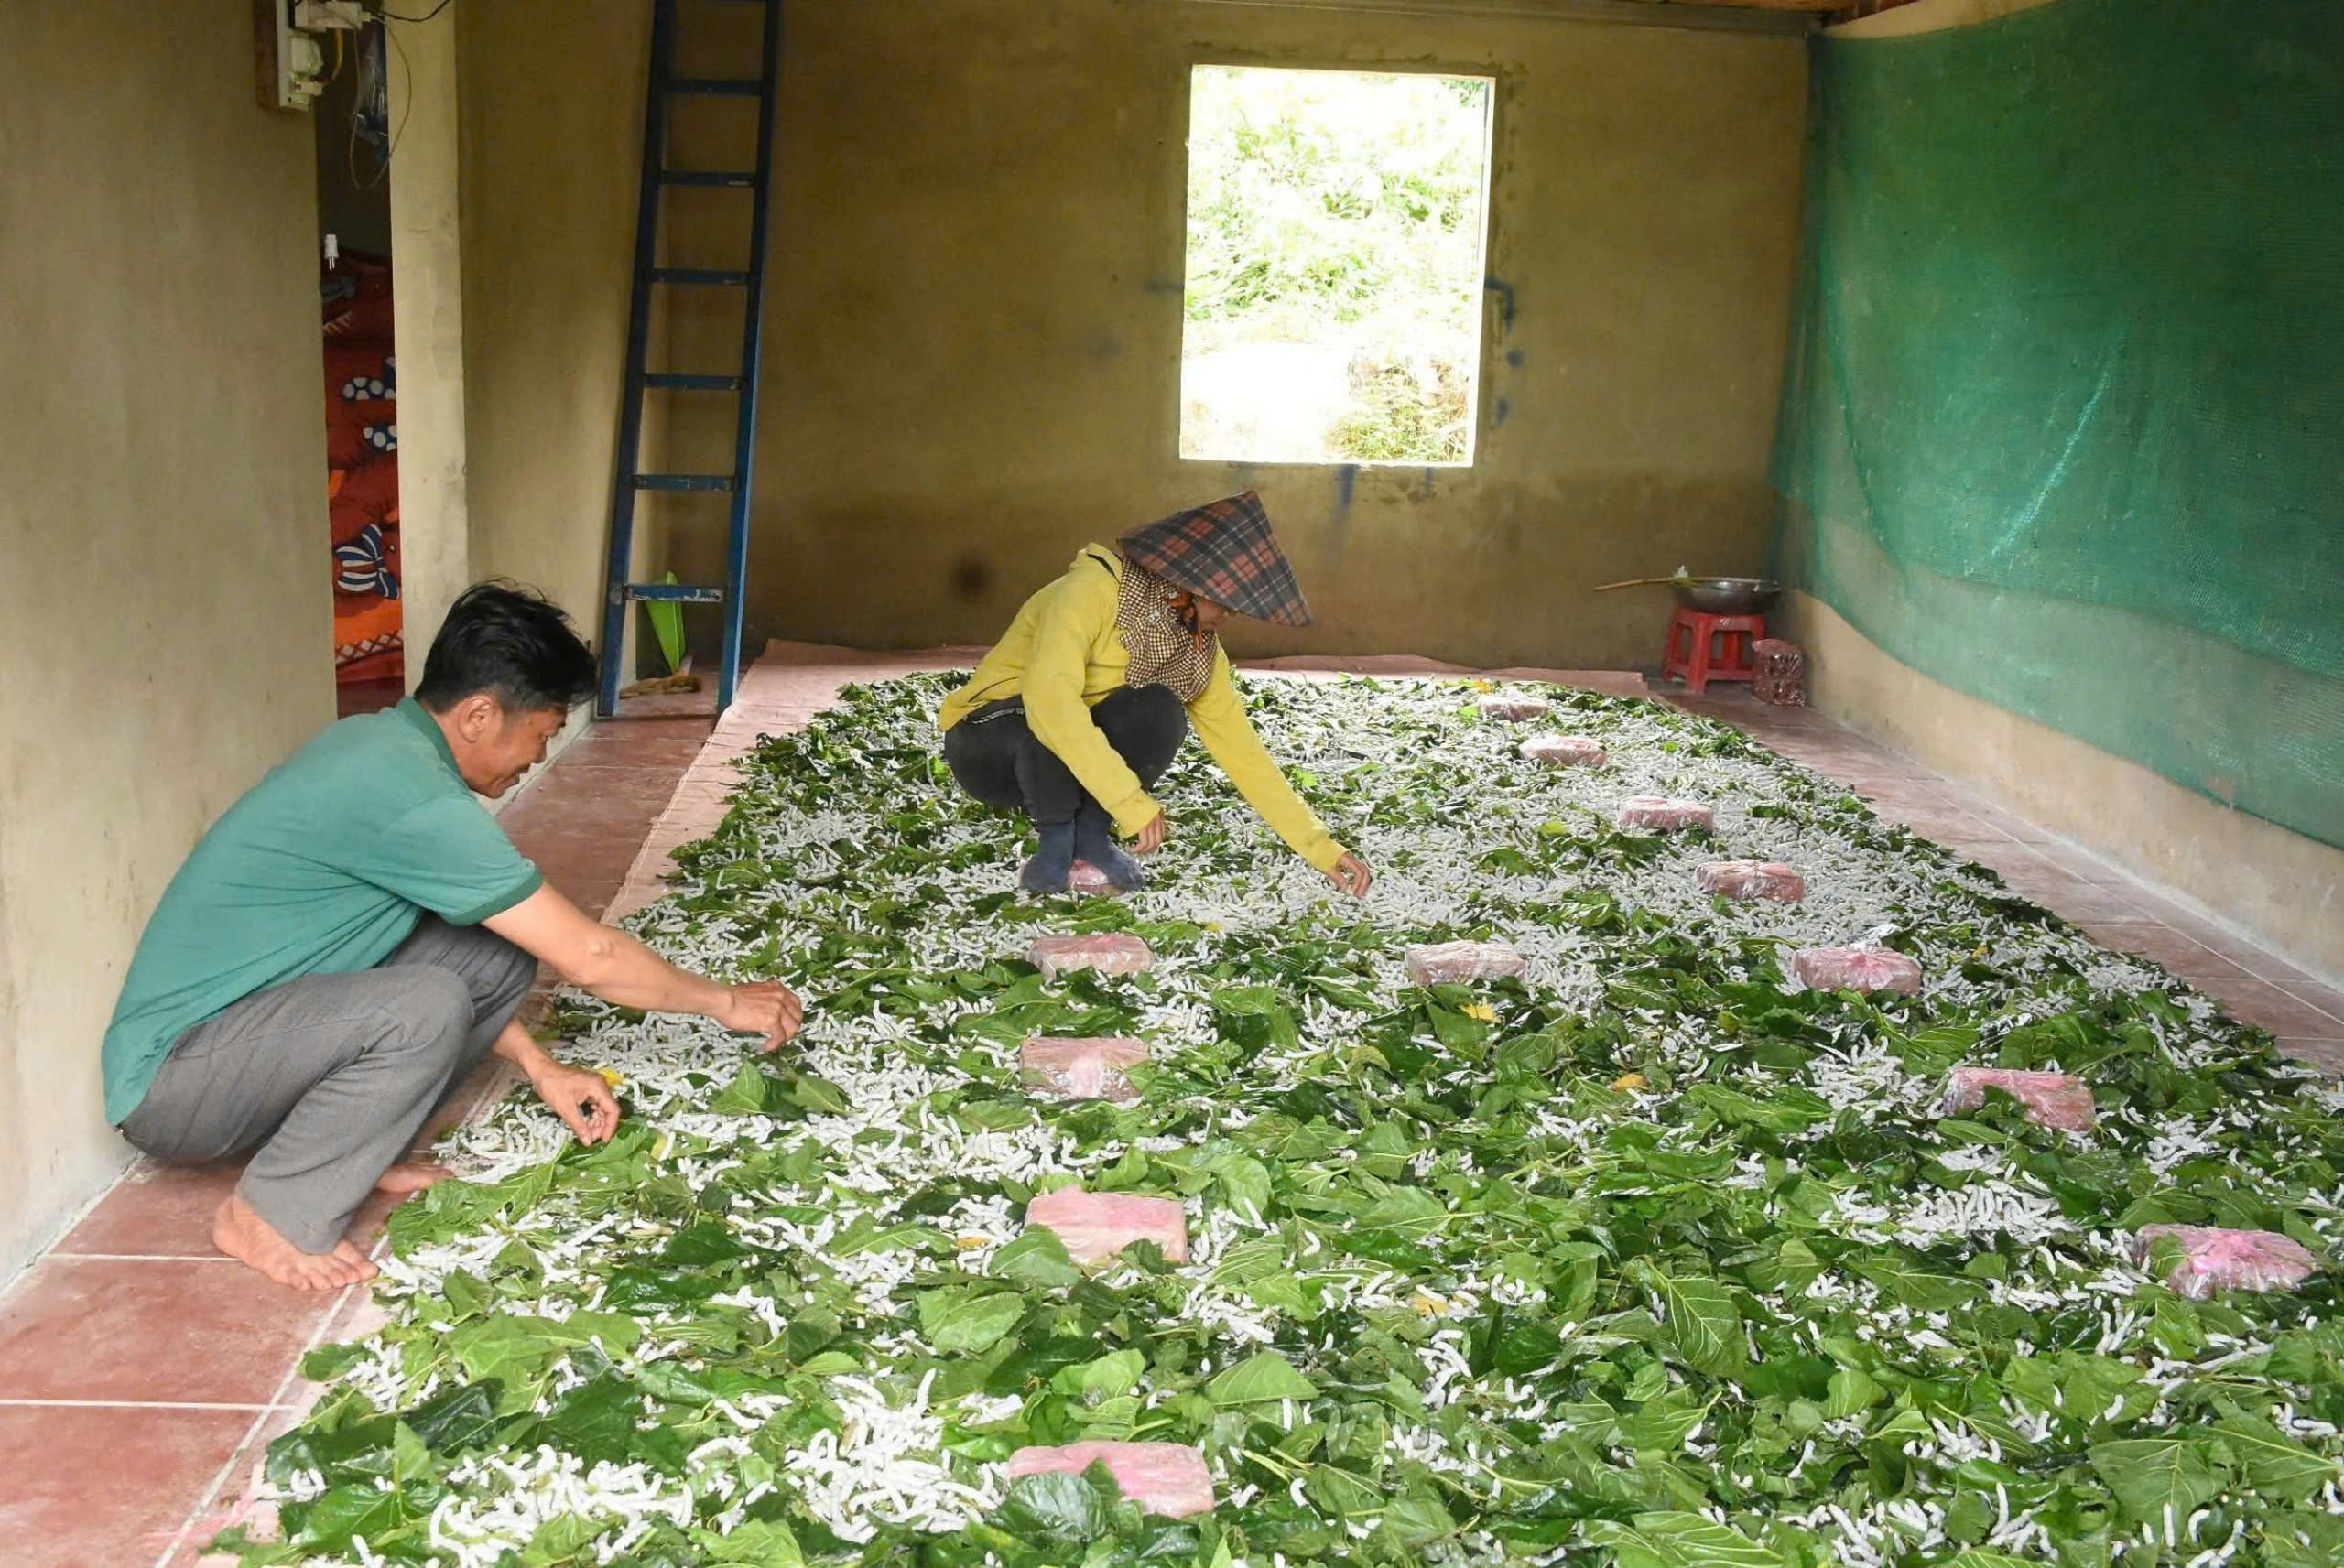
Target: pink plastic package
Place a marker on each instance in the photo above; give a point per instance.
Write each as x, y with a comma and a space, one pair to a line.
1081, 1069
2051, 1099
1084, 877
1564, 752
1459, 963
1111, 953
1096, 1226
1168, 1478
1515, 708
1658, 814
1855, 969
2213, 1260
1750, 878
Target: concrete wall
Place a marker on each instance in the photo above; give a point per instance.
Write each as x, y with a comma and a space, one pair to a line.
164, 610
972, 354
427, 298
551, 116
2285, 889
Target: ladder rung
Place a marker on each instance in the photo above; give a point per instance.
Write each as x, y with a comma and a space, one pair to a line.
673, 593
700, 274
718, 86
682, 382
717, 482
723, 178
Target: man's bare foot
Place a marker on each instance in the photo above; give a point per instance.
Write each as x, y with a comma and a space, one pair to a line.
411, 1176
238, 1230
348, 1253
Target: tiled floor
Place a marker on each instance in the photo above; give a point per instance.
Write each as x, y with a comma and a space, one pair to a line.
133, 1340
133, 1337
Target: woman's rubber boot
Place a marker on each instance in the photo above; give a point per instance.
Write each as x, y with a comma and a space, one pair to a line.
1094, 841
1048, 870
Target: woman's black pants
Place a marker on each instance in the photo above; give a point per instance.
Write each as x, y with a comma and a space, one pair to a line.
994, 755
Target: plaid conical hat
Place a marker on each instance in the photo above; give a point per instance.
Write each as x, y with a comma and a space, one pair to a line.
1223, 551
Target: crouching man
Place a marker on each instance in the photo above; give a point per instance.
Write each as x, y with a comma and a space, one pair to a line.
356, 933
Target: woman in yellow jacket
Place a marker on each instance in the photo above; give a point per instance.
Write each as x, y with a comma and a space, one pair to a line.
1081, 705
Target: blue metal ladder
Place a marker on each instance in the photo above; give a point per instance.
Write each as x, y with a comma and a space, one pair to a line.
740, 382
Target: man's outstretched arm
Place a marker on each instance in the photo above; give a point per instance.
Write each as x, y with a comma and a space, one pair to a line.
613, 966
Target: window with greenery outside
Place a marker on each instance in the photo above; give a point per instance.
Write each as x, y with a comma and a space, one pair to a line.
1336, 223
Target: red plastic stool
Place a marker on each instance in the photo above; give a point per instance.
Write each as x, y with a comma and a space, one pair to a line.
1704, 647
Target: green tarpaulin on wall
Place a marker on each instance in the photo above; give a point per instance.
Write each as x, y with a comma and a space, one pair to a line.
2064, 426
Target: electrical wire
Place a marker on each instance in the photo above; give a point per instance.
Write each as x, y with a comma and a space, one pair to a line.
371, 69
407, 104
395, 17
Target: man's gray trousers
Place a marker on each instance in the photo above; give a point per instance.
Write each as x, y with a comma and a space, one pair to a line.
330, 1078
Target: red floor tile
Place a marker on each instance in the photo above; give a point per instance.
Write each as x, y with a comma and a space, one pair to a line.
2251, 957
2327, 1055
2272, 1006
206, 1332
2074, 898
2161, 944
105, 1489
231, 1501
2328, 998
156, 1210
620, 747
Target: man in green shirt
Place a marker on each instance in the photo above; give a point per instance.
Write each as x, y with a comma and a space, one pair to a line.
351, 938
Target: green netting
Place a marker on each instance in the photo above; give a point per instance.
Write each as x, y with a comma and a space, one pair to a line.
2064, 426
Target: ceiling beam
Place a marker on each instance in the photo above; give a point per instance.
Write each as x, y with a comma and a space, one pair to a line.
1707, 15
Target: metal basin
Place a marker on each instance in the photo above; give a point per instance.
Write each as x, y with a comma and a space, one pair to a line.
1728, 595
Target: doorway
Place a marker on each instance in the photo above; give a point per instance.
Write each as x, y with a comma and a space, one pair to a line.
354, 138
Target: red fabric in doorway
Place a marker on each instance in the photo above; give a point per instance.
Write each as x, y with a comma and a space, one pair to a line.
362, 469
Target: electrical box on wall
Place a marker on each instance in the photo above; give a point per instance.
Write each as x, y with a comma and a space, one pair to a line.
289, 49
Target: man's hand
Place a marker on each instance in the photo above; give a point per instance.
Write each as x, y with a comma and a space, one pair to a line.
1352, 874
1151, 837
762, 1007
580, 1097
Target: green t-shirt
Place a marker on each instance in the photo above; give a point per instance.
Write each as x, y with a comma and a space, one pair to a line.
322, 868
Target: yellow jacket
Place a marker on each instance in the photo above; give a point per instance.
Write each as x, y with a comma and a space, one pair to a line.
1063, 653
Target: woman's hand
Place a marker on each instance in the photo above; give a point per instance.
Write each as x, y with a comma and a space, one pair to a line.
762, 1006
1352, 874
1151, 837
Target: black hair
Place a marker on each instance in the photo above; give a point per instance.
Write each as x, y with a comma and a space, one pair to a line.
512, 643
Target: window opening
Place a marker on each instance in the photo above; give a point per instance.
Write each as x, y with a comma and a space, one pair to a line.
1335, 226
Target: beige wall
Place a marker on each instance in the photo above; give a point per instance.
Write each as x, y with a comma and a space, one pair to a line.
974, 334
2284, 889
427, 297
551, 114
164, 613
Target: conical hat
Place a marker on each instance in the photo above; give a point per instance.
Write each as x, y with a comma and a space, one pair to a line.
1223, 551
